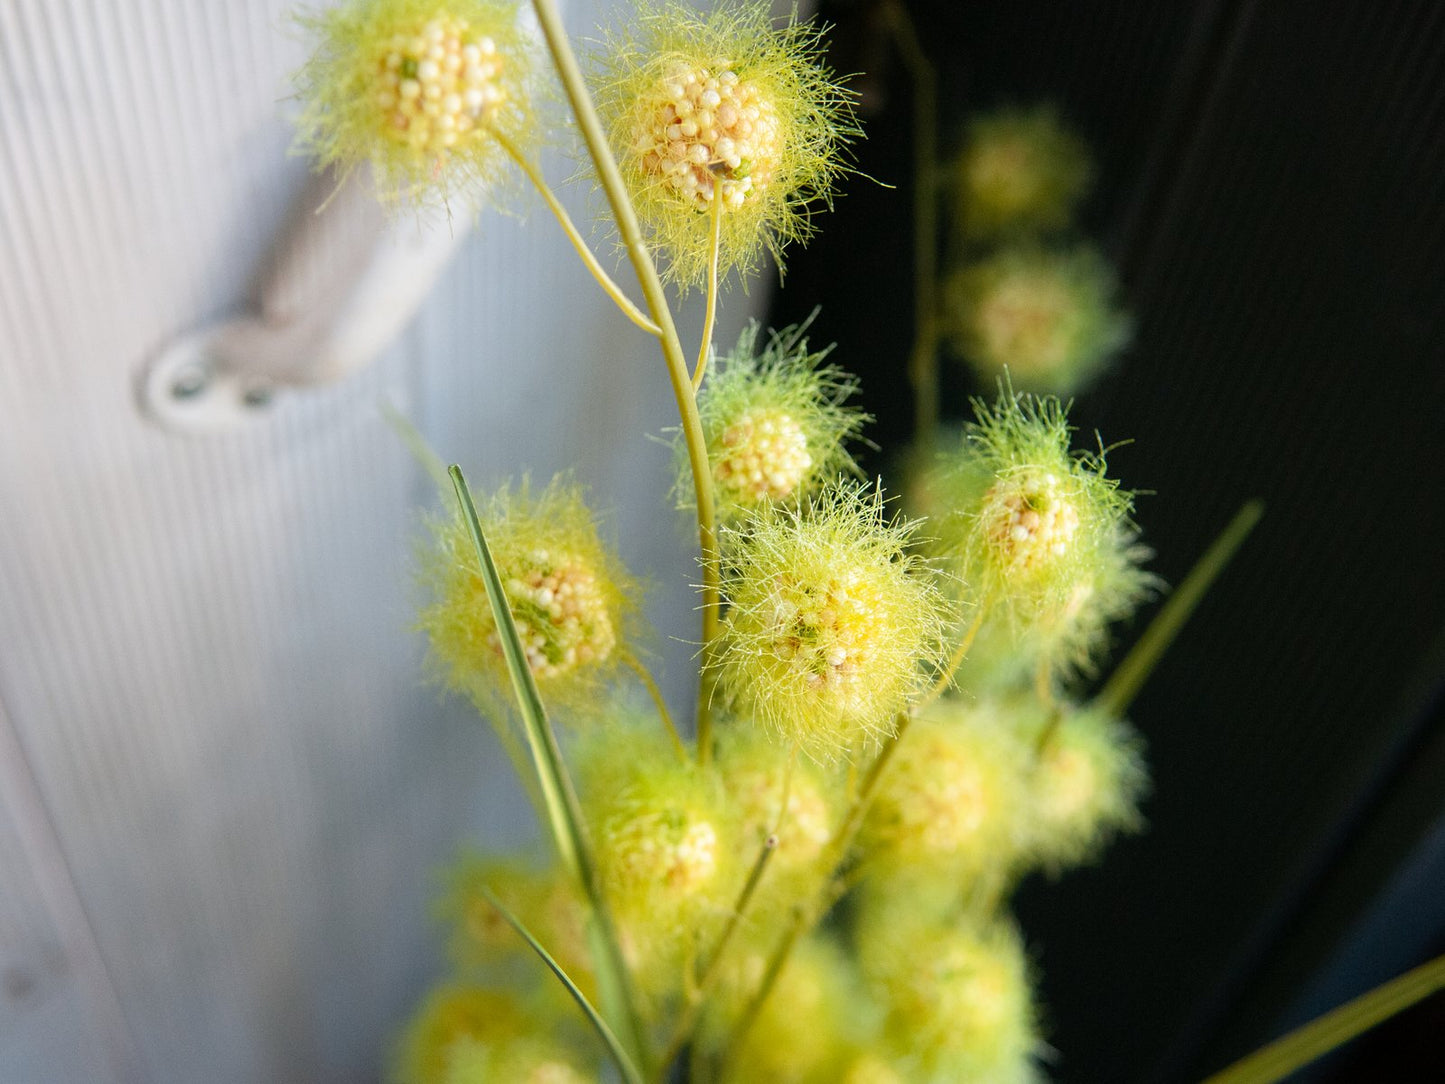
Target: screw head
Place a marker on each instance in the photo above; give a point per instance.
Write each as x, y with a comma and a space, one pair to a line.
190, 382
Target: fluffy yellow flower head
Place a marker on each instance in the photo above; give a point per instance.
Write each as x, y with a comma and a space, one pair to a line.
831, 627
1084, 787
957, 997
803, 1033
774, 424
952, 799
453, 1014
569, 596
721, 109
775, 793
529, 1060
1037, 531
1020, 170
665, 844
1045, 318
421, 89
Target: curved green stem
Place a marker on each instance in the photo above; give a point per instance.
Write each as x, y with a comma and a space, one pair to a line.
1129, 676
945, 678
631, 311
619, 1055
635, 665
610, 176
714, 243
836, 853
564, 812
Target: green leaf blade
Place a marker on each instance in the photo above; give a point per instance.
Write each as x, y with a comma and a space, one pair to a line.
624, 1063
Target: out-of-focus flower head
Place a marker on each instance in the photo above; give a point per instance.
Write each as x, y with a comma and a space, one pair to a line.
778, 794
423, 90
530, 1060
950, 804
957, 996
1020, 171
1046, 318
806, 1031
482, 941
1085, 785
665, 843
453, 1014
722, 108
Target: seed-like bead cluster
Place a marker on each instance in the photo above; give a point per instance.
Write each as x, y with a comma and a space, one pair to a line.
1023, 323
827, 635
439, 86
700, 128
657, 853
562, 614
765, 457
1030, 520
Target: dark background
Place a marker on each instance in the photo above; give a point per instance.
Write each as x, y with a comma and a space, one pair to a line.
1272, 188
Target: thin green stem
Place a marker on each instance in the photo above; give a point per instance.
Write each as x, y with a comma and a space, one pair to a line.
1049, 729
609, 1039
1129, 676
693, 1008
1300, 1047
564, 812
714, 243
615, 189
796, 928
946, 676
635, 665
836, 853
923, 361
631, 311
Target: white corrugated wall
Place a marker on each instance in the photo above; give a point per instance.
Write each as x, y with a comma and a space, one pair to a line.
223, 787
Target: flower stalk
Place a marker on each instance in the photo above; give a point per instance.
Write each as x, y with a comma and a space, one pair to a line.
590, 125
560, 799
533, 174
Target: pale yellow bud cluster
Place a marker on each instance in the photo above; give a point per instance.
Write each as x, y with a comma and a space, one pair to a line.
1030, 520
764, 456
827, 632
701, 128
440, 85
562, 614
658, 853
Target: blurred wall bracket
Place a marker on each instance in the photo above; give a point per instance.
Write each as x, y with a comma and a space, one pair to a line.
343, 283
